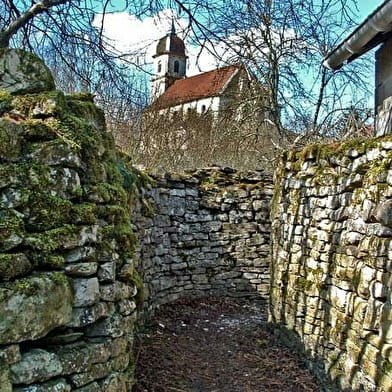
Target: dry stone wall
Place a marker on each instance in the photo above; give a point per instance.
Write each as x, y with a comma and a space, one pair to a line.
67, 282
204, 233
331, 261
69, 291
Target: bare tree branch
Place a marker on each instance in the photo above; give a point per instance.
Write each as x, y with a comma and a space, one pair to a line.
25, 18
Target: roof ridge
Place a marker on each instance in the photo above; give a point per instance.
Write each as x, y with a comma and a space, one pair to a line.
213, 70
204, 85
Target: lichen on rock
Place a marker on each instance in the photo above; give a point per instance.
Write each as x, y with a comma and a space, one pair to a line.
33, 306
23, 72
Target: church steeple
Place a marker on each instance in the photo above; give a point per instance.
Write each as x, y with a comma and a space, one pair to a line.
169, 62
173, 29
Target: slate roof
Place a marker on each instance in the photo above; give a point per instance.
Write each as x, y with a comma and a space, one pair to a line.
176, 45
208, 84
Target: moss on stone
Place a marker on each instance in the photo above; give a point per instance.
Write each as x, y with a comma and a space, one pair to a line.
80, 132
303, 284
140, 295
41, 129
83, 107
325, 176
11, 229
51, 240
113, 213
48, 212
6, 264
376, 170
26, 286
41, 105
59, 278
113, 173
148, 209
44, 260
125, 237
85, 213
122, 234
13, 265
316, 152
107, 193
11, 140
83, 96
5, 101
8, 175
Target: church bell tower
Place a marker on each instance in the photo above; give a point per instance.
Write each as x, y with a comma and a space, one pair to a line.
169, 63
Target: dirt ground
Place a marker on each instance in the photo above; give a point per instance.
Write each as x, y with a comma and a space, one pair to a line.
216, 345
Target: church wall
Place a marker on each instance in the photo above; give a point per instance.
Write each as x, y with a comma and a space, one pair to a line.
212, 104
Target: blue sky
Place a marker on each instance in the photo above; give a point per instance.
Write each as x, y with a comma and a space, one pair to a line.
131, 32
365, 7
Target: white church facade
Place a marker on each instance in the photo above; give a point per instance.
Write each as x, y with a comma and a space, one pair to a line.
213, 91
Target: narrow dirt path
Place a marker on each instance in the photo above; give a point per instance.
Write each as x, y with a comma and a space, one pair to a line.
216, 345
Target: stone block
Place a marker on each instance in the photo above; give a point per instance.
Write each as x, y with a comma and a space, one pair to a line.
117, 291
9, 355
81, 269
88, 315
94, 372
11, 233
36, 365
24, 72
114, 383
79, 253
5, 379
93, 387
59, 385
113, 326
33, 306
77, 357
56, 153
86, 291
126, 307
107, 272
13, 265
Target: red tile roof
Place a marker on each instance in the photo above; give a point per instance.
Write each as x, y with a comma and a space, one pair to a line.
208, 84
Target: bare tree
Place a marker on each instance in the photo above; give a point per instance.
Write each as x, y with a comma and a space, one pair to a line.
239, 135
80, 56
283, 42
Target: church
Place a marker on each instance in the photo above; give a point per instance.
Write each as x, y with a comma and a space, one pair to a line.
212, 92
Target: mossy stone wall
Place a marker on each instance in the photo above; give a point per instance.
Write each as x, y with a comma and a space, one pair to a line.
331, 261
68, 292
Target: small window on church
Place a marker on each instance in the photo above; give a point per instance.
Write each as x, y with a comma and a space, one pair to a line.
203, 108
159, 66
176, 66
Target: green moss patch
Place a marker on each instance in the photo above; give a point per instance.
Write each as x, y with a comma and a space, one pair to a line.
11, 230
50, 240
14, 265
5, 101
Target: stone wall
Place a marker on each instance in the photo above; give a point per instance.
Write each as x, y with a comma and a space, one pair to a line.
204, 233
331, 260
67, 285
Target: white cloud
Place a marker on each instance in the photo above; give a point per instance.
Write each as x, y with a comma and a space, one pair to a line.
129, 34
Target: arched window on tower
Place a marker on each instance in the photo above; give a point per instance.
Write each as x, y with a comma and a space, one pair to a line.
176, 66
159, 66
